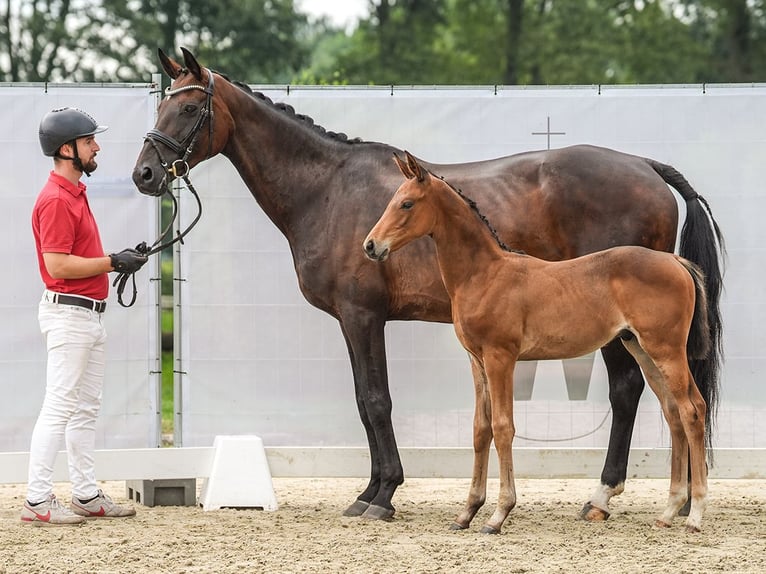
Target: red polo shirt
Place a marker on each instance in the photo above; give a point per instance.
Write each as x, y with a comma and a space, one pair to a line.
63, 223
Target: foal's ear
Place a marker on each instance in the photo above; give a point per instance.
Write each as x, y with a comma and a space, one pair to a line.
171, 67
192, 64
415, 168
403, 167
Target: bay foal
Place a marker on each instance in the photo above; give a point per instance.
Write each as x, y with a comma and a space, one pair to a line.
507, 306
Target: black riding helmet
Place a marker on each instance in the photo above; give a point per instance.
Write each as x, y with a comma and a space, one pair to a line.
64, 125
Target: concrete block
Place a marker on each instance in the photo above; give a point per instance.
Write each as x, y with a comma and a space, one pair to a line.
165, 492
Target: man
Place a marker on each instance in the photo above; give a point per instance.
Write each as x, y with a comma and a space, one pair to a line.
74, 269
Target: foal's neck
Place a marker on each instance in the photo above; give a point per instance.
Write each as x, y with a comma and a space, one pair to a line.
466, 247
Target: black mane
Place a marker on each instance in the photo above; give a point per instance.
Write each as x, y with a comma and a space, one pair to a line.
475, 208
290, 111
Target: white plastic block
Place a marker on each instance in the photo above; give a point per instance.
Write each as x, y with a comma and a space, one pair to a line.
239, 475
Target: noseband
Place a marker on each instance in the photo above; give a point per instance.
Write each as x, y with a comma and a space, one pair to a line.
178, 168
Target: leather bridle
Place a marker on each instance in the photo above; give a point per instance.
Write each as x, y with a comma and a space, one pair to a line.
178, 168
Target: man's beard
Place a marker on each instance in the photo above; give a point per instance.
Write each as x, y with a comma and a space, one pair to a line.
89, 167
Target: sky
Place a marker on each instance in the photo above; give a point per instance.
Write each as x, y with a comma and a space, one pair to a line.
340, 12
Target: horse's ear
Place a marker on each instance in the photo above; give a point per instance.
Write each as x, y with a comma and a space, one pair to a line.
415, 167
403, 167
192, 64
171, 68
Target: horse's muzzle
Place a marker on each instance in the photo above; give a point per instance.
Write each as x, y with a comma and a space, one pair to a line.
150, 181
374, 251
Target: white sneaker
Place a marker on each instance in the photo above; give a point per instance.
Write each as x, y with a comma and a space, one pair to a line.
101, 507
50, 511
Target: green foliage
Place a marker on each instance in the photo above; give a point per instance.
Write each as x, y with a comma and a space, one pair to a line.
401, 42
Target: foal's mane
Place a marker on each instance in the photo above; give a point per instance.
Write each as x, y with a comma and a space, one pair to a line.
475, 208
290, 111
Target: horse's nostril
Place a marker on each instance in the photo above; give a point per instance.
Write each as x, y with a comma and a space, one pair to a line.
370, 247
146, 174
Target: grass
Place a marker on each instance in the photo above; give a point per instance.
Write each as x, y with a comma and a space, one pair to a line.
167, 393
166, 318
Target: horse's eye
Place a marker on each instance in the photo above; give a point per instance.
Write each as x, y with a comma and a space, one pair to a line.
190, 108
407, 204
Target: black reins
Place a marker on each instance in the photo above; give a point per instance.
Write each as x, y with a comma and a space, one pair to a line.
178, 168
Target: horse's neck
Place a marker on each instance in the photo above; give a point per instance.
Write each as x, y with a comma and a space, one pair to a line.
282, 162
465, 247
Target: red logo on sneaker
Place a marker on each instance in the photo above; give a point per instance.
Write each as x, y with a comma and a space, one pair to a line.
99, 512
44, 517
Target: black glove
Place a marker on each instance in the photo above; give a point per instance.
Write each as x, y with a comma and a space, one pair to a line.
128, 260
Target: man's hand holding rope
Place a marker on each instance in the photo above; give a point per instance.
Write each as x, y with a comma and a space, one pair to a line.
126, 263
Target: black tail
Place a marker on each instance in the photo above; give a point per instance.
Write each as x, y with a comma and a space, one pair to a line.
702, 243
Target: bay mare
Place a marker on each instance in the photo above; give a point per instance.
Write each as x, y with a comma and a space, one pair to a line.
321, 188
508, 306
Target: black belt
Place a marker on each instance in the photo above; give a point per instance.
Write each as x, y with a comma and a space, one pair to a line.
97, 306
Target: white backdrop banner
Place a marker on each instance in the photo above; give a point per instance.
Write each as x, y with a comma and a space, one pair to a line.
256, 358
129, 416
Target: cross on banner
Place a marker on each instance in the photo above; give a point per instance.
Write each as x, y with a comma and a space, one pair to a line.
548, 133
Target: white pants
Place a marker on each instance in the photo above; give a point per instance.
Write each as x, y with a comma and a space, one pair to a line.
75, 339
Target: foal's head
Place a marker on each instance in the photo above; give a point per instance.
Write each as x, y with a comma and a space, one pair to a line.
408, 215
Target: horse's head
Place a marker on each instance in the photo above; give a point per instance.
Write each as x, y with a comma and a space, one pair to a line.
193, 124
408, 214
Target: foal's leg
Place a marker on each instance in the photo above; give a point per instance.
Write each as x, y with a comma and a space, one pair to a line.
482, 438
692, 410
499, 369
684, 410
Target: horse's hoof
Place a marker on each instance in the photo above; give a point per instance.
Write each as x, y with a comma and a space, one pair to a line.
486, 529
685, 508
661, 524
593, 514
375, 512
356, 509
456, 526
691, 529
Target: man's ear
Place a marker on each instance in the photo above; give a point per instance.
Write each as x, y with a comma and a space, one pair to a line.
67, 149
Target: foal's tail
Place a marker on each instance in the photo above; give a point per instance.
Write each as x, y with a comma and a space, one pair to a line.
698, 345
702, 243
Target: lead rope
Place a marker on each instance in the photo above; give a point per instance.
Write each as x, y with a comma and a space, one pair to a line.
122, 278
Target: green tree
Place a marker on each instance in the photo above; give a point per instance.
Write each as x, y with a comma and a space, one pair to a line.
554, 42
42, 40
396, 45
251, 40
117, 40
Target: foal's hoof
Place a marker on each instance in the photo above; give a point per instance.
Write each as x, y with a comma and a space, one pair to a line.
486, 529
661, 524
356, 509
375, 512
593, 514
456, 526
691, 529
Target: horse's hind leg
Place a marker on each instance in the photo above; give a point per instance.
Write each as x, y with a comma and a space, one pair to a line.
625, 387
482, 438
684, 410
688, 407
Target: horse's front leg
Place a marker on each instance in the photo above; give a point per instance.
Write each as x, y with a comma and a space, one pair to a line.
499, 370
482, 439
365, 339
625, 387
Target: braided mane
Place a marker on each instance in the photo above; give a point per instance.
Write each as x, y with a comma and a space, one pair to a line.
290, 111
475, 208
